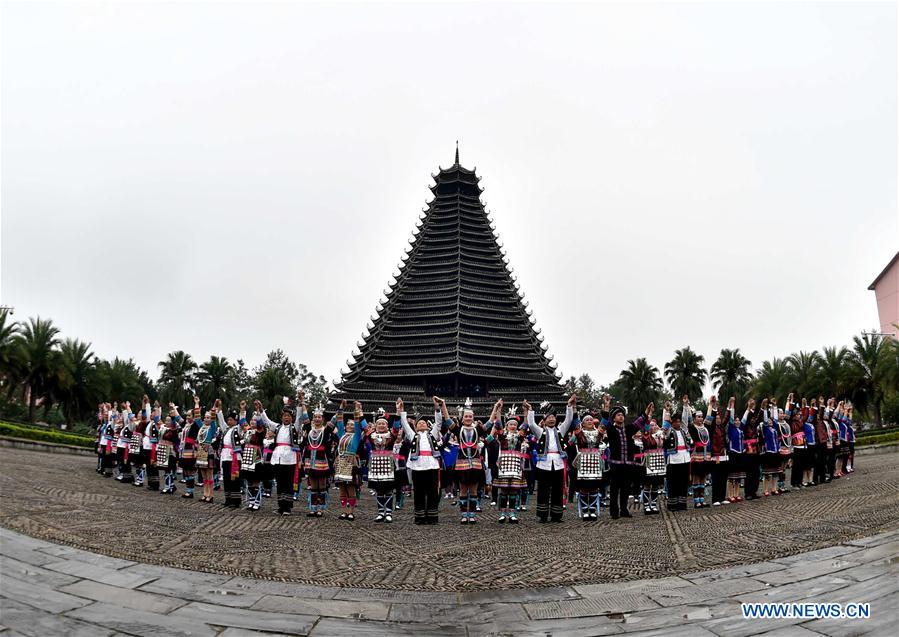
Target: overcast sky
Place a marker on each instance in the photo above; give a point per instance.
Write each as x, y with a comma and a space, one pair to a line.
230, 178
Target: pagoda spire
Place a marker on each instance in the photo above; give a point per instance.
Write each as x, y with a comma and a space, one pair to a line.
457, 152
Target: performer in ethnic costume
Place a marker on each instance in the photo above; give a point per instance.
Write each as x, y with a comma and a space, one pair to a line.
284, 443
772, 460
382, 468
469, 461
833, 438
752, 422
551, 463
718, 422
701, 455
315, 446
346, 462
206, 437
167, 451
107, 441
188, 457
653, 474
424, 451
232, 438
850, 438
736, 449
797, 442
123, 443
136, 455
677, 449
101, 425
400, 472
786, 446
822, 442
807, 415
590, 448
252, 470
512, 449
624, 465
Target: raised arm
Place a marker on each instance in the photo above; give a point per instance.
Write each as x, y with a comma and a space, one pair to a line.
401, 410
569, 414
535, 429
263, 417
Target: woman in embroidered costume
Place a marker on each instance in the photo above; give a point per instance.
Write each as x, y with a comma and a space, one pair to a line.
122, 443
150, 442
590, 447
785, 434
513, 447
653, 464
251, 469
316, 444
205, 453
678, 444
700, 454
718, 421
752, 443
424, 451
167, 450
735, 449
136, 455
772, 460
469, 462
381, 464
346, 462
188, 457
232, 438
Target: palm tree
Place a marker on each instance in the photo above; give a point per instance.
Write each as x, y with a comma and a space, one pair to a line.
868, 370
216, 379
772, 380
120, 380
640, 384
832, 370
176, 376
804, 372
78, 391
38, 341
730, 374
10, 353
685, 373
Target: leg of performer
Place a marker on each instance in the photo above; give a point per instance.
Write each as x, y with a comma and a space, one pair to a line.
543, 489
285, 479
432, 496
556, 501
189, 479
419, 496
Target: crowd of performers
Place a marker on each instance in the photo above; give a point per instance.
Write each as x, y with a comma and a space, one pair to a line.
591, 459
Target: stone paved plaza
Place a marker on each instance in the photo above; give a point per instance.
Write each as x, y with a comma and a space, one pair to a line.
835, 543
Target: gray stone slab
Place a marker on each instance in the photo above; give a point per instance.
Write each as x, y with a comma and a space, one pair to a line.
875, 540
806, 570
70, 553
243, 632
688, 630
136, 622
323, 607
871, 570
288, 589
636, 586
735, 625
702, 593
183, 575
398, 597
243, 618
819, 587
35, 623
124, 597
707, 577
331, 626
10, 567
669, 618
884, 620
819, 555
13, 545
574, 627
457, 614
520, 596
193, 591
97, 573
39, 596
621, 602
885, 551
792, 631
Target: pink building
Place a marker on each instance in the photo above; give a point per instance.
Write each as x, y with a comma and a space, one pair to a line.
886, 289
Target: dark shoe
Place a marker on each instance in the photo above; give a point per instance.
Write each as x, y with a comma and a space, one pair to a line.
626, 514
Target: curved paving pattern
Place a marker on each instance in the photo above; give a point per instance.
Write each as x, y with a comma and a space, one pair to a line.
60, 499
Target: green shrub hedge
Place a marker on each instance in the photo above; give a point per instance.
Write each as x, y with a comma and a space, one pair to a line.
44, 434
878, 439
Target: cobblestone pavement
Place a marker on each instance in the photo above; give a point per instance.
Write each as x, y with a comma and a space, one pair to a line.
49, 589
61, 499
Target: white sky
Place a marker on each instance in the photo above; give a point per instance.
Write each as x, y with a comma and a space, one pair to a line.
231, 178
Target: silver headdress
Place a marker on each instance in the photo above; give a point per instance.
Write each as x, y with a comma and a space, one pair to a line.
319, 411
510, 412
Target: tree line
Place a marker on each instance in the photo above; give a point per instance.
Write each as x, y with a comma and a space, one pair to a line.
54, 379
46, 377
867, 373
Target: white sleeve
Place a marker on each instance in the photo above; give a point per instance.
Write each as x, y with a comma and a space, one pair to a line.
569, 417
405, 423
536, 429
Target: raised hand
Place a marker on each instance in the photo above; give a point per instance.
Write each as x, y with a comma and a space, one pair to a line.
343, 404
399, 405
301, 396
731, 402
572, 400
751, 404
436, 402
685, 400
257, 405
525, 406
650, 408
606, 402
